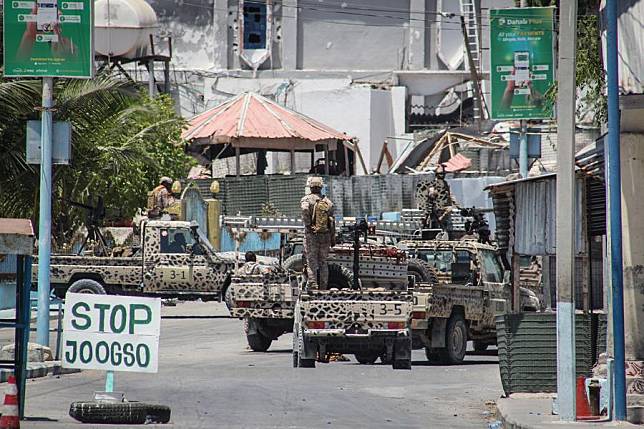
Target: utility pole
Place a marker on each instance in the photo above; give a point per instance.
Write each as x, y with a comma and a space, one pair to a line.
44, 219
566, 189
615, 206
523, 135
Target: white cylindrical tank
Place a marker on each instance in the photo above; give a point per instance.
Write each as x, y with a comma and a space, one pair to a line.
123, 27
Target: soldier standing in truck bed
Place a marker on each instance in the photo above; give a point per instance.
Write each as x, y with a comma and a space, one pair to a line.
160, 198
319, 233
434, 199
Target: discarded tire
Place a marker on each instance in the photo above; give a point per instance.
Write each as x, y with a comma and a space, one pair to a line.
133, 413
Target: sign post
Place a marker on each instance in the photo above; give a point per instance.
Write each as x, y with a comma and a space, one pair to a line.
48, 39
111, 333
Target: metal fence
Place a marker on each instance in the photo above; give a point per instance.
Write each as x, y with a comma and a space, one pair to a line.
353, 196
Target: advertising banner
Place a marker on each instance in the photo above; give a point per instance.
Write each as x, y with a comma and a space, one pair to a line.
48, 38
112, 333
521, 62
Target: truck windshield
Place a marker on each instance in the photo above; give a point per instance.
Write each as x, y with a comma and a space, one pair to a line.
442, 260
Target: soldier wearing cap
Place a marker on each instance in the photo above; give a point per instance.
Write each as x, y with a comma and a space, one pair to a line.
319, 233
160, 198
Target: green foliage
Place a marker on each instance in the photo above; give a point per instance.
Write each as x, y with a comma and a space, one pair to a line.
122, 142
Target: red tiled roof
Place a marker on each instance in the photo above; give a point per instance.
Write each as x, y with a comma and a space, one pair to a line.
251, 116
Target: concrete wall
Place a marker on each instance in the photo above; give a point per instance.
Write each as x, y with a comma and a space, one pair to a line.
331, 39
632, 157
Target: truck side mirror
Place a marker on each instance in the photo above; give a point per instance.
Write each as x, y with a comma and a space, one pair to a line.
506, 276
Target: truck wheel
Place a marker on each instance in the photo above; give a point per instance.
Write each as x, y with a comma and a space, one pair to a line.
340, 277
87, 286
258, 342
480, 346
294, 263
422, 271
455, 340
366, 358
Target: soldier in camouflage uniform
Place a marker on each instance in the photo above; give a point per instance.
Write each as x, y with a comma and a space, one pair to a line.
251, 266
434, 199
317, 240
161, 198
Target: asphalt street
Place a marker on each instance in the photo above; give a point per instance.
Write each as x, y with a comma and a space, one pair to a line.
210, 379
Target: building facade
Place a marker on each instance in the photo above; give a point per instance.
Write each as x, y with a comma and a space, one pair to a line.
375, 69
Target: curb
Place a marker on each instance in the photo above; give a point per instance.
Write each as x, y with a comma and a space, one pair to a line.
507, 420
39, 369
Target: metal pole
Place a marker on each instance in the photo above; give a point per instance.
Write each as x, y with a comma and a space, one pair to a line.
566, 213
523, 149
44, 219
614, 196
151, 83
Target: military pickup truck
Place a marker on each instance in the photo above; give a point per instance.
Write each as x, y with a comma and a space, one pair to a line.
471, 287
370, 323
174, 260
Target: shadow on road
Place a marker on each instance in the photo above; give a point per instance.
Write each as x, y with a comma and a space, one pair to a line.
465, 363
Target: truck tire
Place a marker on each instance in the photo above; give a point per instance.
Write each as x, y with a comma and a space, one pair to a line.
258, 342
366, 358
340, 277
455, 340
87, 286
422, 271
294, 263
119, 412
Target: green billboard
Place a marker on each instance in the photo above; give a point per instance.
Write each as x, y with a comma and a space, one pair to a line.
48, 38
521, 62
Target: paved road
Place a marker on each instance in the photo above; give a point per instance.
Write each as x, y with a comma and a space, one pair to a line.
210, 379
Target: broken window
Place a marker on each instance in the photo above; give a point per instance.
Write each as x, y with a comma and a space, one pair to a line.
254, 26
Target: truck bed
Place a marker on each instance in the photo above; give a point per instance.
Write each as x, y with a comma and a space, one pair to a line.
257, 297
112, 270
339, 312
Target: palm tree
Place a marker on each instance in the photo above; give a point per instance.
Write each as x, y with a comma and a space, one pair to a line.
120, 139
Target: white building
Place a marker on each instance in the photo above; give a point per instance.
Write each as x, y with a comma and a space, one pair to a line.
374, 69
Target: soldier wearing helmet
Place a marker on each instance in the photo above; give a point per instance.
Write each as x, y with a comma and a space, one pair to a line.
435, 199
319, 233
160, 198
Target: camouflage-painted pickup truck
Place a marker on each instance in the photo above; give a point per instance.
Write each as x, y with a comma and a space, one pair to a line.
174, 260
471, 287
265, 303
370, 323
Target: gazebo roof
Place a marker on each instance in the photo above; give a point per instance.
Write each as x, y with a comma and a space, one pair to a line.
252, 121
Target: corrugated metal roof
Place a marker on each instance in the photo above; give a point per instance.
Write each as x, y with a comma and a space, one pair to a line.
251, 116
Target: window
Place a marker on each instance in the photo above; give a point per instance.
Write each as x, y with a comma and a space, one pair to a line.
176, 240
254, 26
491, 267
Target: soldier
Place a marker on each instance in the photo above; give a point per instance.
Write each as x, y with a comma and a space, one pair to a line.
160, 198
319, 232
251, 266
435, 199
